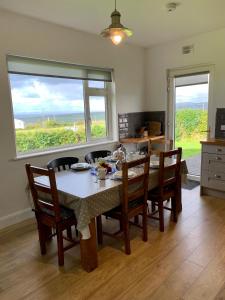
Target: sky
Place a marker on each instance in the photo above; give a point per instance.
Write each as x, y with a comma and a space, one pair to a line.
37, 94
195, 93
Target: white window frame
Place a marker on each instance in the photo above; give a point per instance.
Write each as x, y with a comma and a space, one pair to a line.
87, 92
91, 92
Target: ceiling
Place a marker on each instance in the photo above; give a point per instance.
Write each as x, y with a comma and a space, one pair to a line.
149, 19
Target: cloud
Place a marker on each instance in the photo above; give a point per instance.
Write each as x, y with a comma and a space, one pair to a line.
195, 93
97, 104
64, 88
35, 94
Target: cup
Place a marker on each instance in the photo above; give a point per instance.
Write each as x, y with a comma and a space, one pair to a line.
145, 134
101, 174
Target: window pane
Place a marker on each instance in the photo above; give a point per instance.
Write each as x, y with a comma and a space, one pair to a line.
96, 84
48, 112
98, 116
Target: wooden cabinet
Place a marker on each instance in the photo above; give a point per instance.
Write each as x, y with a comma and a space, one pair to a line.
213, 168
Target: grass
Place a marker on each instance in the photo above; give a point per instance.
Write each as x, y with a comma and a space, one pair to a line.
191, 147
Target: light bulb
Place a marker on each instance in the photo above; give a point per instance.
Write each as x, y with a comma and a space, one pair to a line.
116, 39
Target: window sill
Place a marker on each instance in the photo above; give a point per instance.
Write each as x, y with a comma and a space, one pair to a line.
49, 152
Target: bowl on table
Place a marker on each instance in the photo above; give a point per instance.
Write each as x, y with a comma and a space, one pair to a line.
119, 175
80, 166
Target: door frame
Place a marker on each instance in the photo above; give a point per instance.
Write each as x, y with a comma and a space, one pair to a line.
170, 115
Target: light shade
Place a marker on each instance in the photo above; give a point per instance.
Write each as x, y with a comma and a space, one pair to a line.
116, 31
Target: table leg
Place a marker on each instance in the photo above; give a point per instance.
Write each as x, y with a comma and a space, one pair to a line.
88, 250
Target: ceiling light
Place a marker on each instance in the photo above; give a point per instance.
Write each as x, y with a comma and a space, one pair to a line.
116, 31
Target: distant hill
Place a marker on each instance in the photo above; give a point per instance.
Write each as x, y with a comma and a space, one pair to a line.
183, 105
33, 118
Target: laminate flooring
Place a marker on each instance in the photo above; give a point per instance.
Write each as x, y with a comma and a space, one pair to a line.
187, 261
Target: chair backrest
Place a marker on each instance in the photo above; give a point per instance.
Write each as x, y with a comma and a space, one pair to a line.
161, 145
92, 156
135, 187
169, 171
51, 204
62, 163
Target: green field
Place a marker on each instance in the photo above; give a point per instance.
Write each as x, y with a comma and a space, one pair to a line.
188, 132
190, 147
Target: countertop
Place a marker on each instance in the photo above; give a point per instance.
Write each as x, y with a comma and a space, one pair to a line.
213, 141
141, 140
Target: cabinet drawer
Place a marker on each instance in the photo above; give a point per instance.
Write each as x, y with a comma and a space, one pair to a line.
213, 149
213, 180
213, 162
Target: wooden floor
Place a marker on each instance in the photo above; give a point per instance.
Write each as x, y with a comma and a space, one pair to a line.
187, 261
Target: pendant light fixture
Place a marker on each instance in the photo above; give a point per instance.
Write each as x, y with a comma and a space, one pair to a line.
116, 31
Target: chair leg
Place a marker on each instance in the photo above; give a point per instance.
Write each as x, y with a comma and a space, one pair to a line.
60, 246
179, 195
69, 233
48, 233
121, 225
42, 237
153, 206
161, 216
136, 219
126, 235
144, 224
174, 209
99, 229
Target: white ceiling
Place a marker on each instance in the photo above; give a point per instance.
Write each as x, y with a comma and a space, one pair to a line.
149, 19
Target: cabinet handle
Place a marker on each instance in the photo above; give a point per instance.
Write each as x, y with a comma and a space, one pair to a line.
218, 158
219, 150
217, 176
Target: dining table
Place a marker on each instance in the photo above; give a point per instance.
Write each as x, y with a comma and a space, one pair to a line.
90, 197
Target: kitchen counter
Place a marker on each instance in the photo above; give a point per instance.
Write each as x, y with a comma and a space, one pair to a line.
141, 140
214, 141
213, 168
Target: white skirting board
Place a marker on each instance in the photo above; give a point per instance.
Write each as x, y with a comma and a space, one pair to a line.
16, 217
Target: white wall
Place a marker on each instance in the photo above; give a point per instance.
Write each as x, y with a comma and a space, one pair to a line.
209, 48
32, 38
138, 72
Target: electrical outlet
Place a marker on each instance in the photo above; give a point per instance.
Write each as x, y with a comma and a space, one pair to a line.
222, 127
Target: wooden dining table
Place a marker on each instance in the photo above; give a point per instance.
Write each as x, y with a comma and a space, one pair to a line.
89, 198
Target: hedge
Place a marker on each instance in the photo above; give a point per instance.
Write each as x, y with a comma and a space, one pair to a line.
190, 123
41, 138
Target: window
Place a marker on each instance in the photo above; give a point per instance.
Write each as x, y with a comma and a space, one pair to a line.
58, 105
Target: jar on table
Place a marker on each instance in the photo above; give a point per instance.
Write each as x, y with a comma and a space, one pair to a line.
119, 165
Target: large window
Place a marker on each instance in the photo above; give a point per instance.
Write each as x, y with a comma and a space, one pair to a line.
58, 105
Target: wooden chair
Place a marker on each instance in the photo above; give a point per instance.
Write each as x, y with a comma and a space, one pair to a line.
92, 156
169, 186
62, 163
160, 145
133, 202
49, 213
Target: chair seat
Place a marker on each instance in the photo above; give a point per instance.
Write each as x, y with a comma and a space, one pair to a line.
65, 212
132, 204
154, 194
